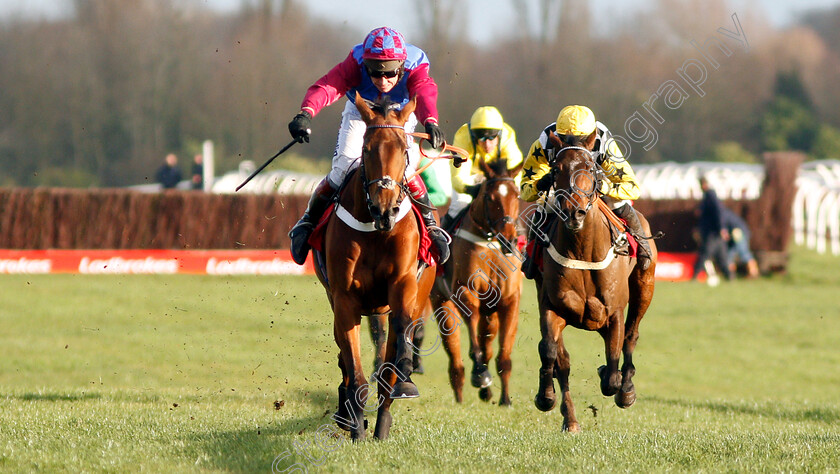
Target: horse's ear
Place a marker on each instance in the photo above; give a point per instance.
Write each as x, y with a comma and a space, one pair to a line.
555, 140
366, 112
406, 111
589, 142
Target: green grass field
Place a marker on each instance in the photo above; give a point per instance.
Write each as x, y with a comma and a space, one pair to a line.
194, 373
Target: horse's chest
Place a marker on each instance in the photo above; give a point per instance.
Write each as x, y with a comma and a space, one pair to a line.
583, 307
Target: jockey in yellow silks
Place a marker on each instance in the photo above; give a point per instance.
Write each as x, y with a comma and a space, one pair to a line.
486, 136
576, 126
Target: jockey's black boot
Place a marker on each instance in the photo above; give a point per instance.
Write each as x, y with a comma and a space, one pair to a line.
439, 236
318, 203
627, 213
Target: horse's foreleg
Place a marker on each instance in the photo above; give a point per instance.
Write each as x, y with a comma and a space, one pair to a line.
346, 332
449, 323
550, 327
562, 367
613, 334
419, 335
480, 376
394, 374
641, 294
379, 336
488, 327
508, 322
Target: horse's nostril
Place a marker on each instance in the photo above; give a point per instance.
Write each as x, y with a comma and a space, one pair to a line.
395, 210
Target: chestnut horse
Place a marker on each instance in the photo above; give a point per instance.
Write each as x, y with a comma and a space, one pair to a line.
584, 284
483, 283
372, 269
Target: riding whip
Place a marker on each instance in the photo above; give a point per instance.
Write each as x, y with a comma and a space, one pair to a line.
249, 178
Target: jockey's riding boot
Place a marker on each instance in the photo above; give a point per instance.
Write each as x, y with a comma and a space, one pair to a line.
439, 236
318, 203
627, 213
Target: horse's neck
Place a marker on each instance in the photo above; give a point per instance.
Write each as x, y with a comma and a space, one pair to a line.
588, 243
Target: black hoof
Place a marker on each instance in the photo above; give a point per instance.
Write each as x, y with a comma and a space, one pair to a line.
485, 394
405, 390
383, 425
481, 378
418, 366
544, 404
338, 416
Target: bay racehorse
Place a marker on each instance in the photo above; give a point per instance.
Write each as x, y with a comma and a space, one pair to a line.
585, 284
371, 257
482, 283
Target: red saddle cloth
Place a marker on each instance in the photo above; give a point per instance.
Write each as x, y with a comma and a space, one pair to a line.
424, 253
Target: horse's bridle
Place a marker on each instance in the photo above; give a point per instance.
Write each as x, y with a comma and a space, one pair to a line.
385, 182
592, 168
506, 219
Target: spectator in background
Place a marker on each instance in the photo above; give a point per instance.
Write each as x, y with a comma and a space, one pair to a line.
739, 243
197, 180
169, 175
712, 232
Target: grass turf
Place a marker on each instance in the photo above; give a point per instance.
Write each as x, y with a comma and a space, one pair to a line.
200, 373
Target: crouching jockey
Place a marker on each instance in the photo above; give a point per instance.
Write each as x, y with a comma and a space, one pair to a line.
485, 137
576, 126
382, 65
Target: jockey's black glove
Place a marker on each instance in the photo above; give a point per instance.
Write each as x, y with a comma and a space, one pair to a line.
435, 134
458, 160
472, 189
544, 183
300, 127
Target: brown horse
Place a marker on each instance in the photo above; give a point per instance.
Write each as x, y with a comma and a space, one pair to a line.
371, 249
483, 283
586, 285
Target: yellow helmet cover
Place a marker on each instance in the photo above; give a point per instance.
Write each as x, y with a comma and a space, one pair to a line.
487, 117
575, 120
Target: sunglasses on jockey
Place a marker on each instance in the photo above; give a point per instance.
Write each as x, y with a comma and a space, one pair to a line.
485, 134
380, 74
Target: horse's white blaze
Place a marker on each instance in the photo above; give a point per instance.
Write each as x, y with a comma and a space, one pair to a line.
387, 182
503, 190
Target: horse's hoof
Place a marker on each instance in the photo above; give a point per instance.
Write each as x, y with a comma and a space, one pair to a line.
544, 403
485, 394
344, 426
625, 399
405, 390
481, 379
383, 425
504, 401
572, 427
418, 367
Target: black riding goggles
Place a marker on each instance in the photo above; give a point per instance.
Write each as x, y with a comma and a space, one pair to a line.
388, 74
482, 134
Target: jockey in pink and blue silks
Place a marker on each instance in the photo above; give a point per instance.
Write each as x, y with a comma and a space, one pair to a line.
384, 64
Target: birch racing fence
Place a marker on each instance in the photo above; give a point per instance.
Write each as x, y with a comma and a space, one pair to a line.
781, 199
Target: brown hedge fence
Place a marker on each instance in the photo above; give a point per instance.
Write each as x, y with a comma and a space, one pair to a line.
51, 218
